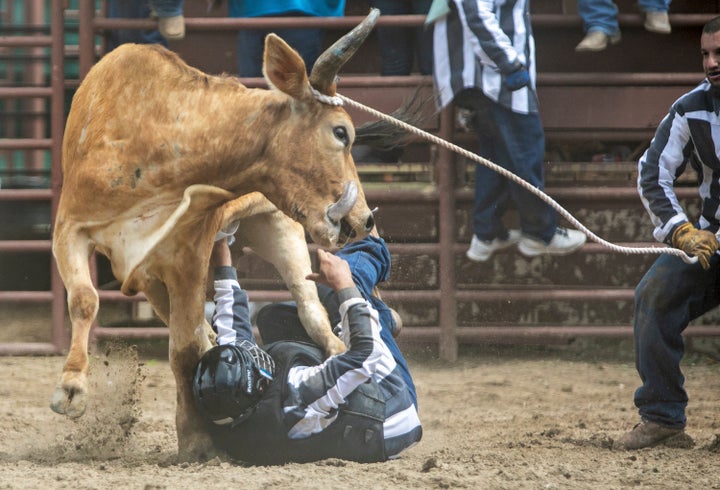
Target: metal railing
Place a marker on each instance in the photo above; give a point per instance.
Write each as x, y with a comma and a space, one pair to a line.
445, 195
55, 41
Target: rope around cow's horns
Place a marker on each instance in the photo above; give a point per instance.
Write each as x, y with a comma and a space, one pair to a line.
526, 185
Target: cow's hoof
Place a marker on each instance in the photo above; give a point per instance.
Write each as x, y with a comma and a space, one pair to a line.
199, 448
335, 346
70, 401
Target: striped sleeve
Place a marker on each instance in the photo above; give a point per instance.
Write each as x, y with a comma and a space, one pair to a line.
477, 44
319, 390
675, 143
231, 318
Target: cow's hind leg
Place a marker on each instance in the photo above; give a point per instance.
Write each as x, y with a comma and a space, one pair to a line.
72, 252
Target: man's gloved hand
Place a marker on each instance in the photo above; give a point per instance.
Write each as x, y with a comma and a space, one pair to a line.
517, 79
698, 243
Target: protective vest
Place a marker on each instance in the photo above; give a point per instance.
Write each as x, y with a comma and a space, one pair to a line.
355, 435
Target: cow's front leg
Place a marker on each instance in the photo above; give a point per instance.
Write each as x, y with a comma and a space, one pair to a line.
188, 341
281, 241
72, 251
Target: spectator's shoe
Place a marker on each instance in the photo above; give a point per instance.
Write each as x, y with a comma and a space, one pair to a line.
657, 22
563, 242
645, 434
481, 250
172, 28
597, 41
395, 330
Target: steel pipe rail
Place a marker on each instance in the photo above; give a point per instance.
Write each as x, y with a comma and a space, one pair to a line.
444, 194
25, 41
26, 144
25, 245
24, 92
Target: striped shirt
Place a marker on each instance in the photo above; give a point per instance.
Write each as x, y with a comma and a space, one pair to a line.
689, 134
477, 44
316, 392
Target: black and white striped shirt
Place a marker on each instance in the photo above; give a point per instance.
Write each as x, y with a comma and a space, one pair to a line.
477, 44
316, 392
689, 134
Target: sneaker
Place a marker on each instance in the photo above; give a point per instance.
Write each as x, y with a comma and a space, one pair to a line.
172, 28
481, 250
597, 41
563, 242
645, 434
657, 22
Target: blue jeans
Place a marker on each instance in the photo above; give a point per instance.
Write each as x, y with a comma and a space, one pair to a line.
167, 8
515, 142
399, 45
601, 15
669, 296
130, 9
369, 261
251, 45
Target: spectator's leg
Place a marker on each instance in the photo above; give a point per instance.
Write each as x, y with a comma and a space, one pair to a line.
424, 39
130, 9
491, 189
600, 23
396, 44
599, 15
171, 22
521, 149
307, 42
250, 48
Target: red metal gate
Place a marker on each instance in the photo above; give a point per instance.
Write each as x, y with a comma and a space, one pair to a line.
445, 196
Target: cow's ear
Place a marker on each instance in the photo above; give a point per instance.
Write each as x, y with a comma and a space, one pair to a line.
284, 69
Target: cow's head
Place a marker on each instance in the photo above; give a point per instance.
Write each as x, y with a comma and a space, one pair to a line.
317, 184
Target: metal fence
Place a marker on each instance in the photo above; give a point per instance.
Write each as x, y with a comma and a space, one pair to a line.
444, 196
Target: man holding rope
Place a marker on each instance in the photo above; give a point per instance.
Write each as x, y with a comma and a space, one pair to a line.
674, 292
484, 63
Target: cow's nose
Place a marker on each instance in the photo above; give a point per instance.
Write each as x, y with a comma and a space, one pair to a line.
370, 223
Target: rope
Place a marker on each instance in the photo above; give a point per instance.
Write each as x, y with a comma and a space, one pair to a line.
522, 183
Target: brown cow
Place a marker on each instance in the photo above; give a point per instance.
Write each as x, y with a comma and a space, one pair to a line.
154, 150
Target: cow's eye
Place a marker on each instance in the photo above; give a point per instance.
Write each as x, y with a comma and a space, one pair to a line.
340, 133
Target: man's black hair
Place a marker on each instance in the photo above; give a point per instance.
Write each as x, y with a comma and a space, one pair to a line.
712, 26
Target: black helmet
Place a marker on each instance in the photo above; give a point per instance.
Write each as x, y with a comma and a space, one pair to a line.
230, 380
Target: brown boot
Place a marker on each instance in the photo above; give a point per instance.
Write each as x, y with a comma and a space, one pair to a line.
645, 434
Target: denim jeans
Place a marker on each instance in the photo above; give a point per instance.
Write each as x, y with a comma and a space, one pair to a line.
515, 142
669, 296
167, 8
130, 9
369, 261
601, 15
251, 45
400, 45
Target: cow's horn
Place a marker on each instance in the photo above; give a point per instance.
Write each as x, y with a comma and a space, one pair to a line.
342, 207
329, 63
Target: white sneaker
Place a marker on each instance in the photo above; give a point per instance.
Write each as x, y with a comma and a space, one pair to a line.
563, 242
658, 22
481, 250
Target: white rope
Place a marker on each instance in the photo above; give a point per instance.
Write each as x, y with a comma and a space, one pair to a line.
326, 99
526, 185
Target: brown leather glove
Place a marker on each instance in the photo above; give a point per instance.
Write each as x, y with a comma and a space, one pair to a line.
699, 243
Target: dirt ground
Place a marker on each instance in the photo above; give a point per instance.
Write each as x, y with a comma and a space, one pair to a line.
499, 418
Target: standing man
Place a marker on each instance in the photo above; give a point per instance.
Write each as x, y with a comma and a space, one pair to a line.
484, 62
673, 293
